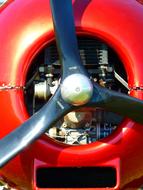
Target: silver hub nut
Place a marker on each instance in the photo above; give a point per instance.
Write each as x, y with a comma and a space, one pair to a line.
77, 89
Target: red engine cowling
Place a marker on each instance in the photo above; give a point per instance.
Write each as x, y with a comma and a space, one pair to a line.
26, 28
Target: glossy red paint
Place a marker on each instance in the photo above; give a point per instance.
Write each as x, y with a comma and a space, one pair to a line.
26, 28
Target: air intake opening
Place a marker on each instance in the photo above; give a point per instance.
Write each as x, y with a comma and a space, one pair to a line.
84, 177
85, 125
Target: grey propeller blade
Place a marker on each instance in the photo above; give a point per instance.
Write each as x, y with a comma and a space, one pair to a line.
116, 102
66, 37
33, 128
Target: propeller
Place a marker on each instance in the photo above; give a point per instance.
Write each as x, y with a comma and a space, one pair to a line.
116, 102
66, 37
75, 91
33, 128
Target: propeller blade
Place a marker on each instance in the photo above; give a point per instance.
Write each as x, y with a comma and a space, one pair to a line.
33, 128
118, 103
63, 20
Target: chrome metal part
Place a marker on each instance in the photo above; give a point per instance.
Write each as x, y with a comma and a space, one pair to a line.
84, 125
121, 80
87, 132
76, 89
10, 87
2, 2
42, 90
77, 119
137, 88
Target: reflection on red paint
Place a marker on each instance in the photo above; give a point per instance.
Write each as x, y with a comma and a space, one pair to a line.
140, 1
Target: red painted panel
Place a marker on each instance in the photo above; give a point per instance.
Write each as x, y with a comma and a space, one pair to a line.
26, 28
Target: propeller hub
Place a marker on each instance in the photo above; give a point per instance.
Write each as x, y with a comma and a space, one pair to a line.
77, 89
